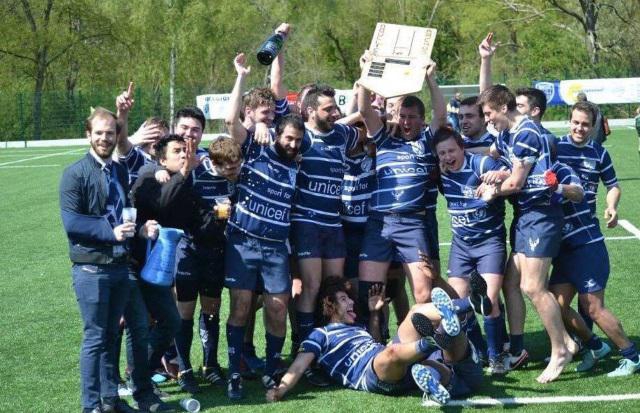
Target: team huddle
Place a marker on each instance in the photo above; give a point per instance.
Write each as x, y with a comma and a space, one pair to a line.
319, 217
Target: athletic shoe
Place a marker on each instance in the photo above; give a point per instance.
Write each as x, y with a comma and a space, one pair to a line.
626, 368
213, 375
478, 298
116, 405
316, 377
234, 387
423, 325
591, 357
158, 392
512, 362
252, 361
269, 382
187, 382
429, 385
153, 404
497, 365
247, 372
443, 303
124, 390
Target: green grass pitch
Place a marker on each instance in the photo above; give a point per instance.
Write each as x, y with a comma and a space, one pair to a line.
40, 327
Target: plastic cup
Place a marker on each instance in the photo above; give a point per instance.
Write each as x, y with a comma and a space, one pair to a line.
190, 405
129, 214
223, 208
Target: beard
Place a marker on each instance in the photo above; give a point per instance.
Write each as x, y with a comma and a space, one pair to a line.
101, 151
324, 125
283, 153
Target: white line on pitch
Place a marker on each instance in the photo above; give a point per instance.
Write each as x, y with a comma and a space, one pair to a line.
28, 166
622, 238
630, 227
43, 156
535, 400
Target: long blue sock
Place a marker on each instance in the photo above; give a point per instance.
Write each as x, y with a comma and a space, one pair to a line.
630, 353
423, 346
183, 344
210, 335
461, 305
474, 334
594, 343
235, 336
305, 324
274, 348
494, 337
517, 343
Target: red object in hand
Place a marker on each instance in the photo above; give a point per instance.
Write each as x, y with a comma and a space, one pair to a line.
551, 179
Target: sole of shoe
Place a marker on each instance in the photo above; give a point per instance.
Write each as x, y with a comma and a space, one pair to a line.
428, 384
443, 303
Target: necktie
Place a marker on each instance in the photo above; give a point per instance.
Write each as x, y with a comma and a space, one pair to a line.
114, 199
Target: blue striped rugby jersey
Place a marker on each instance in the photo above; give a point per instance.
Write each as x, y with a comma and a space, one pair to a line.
359, 179
134, 160
344, 351
207, 183
580, 226
524, 142
404, 181
320, 175
266, 188
472, 218
592, 163
281, 110
485, 141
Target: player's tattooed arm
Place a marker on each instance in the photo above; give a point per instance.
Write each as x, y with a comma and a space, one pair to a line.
291, 377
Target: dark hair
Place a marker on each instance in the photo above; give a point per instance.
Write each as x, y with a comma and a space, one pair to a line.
163, 143
293, 120
585, 107
314, 93
496, 96
411, 101
444, 133
100, 112
536, 98
472, 101
191, 112
330, 287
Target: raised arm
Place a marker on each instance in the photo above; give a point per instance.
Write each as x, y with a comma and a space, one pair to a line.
124, 103
486, 50
277, 67
237, 131
370, 117
437, 99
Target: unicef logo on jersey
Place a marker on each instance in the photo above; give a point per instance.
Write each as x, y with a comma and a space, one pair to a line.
567, 228
589, 164
480, 213
548, 88
366, 164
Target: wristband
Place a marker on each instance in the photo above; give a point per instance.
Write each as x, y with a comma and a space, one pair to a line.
559, 189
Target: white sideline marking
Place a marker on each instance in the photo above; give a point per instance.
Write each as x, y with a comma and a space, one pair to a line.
534, 400
31, 166
622, 238
42, 156
630, 227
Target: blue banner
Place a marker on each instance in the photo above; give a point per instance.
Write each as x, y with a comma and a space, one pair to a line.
551, 90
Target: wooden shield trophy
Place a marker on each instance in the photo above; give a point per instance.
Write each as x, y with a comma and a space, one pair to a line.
398, 57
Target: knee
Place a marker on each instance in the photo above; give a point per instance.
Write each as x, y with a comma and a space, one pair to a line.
422, 295
311, 288
278, 310
532, 290
212, 307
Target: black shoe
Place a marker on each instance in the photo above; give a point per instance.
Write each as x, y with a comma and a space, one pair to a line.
269, 382
234, 387
187, 382
214, 375
153, 404
479, 300
94, 410
422, 324
117, 405
316, 377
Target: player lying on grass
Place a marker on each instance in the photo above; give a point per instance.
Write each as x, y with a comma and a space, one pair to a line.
430, 349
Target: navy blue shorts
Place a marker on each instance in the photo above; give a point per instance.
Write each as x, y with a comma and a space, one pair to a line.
256, 264
539, 231
390, 236
353, 238
316, 241
372, 384
486, 256
585, 267
199, 270
467, 375
431, 223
